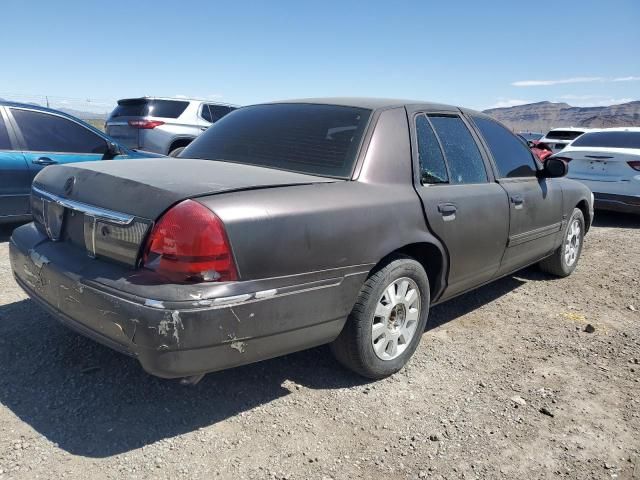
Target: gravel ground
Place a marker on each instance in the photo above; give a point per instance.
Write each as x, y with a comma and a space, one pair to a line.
505, 384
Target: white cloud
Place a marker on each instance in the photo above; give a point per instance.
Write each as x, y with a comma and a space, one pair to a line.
508, 102
542, 83
593, 100
626, 79
564, 81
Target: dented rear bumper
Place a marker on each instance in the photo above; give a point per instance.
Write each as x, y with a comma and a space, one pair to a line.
186, 333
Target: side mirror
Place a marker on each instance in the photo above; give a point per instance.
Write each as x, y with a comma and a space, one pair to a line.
112, 151
554, 168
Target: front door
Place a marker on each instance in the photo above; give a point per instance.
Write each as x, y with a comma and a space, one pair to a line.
535, 204
463, 206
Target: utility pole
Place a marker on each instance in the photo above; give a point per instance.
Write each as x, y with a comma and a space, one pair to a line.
47, 98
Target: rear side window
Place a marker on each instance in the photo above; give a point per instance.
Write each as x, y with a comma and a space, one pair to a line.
563, 134
306, 138
609, 140
460, 149
5, 142
143, 107
513, 158
213, 113
49, 133
432, 166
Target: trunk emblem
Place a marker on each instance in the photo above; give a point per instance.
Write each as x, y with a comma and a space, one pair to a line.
68, 185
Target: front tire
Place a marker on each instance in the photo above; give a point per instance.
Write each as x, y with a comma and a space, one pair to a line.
387, 321
565, 259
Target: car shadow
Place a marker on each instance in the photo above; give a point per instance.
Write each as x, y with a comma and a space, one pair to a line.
94, 402
604, 218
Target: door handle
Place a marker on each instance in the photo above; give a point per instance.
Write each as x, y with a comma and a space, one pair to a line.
448, 211
44, 161
517, 200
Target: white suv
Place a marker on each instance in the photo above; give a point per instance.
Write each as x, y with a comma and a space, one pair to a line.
162, 125
558, 138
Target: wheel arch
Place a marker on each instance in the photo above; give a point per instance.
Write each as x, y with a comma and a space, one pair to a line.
584, 208
179, 142
433, 259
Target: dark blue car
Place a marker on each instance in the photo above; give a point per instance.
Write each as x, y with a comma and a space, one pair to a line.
33, 137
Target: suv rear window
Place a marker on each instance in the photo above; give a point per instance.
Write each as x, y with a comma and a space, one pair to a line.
609, 140
563, 134
306, 138
143, 107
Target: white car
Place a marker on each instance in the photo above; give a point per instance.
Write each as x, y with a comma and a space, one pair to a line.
608, 162
559, 138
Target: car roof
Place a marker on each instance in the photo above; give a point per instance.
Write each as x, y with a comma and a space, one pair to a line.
371, 103
615, 129
571, 129
33, 106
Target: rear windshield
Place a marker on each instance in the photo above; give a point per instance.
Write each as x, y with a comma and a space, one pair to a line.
563, 134
609, 140
143, 107
307, 138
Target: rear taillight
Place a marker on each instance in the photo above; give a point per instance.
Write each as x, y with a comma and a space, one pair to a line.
145, 124
189, 244
635, 164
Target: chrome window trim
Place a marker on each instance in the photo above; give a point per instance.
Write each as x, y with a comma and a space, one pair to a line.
97, 212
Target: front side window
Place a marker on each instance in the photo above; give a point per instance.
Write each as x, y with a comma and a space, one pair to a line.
299, 137
43, 132
513, 158
430, 157
461, 151
5, 142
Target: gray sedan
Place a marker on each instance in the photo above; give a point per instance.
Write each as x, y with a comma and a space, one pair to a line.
295, 224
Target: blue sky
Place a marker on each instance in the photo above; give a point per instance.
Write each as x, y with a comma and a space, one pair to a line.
473, 53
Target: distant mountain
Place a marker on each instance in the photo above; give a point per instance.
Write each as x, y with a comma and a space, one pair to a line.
84, 115
81, 114
543, 116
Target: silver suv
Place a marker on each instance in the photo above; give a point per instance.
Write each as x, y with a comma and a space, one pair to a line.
162, 125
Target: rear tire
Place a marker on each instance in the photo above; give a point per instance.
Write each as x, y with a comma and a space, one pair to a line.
387, 321
176, 151
565, 259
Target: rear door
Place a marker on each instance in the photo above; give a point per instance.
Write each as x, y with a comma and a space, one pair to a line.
535, 203
464, 207
15, 180
49, 139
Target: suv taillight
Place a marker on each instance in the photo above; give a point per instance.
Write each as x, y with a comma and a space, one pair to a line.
189, 244
145, 124
635, 164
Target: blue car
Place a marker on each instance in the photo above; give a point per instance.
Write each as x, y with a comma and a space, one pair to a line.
33, 137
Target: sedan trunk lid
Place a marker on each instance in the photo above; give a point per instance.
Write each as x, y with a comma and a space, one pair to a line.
146, 188
107, 208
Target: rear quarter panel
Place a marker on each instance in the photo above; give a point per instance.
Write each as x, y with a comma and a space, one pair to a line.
292, 230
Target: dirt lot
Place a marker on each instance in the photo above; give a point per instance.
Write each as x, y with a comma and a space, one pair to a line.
505, 384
